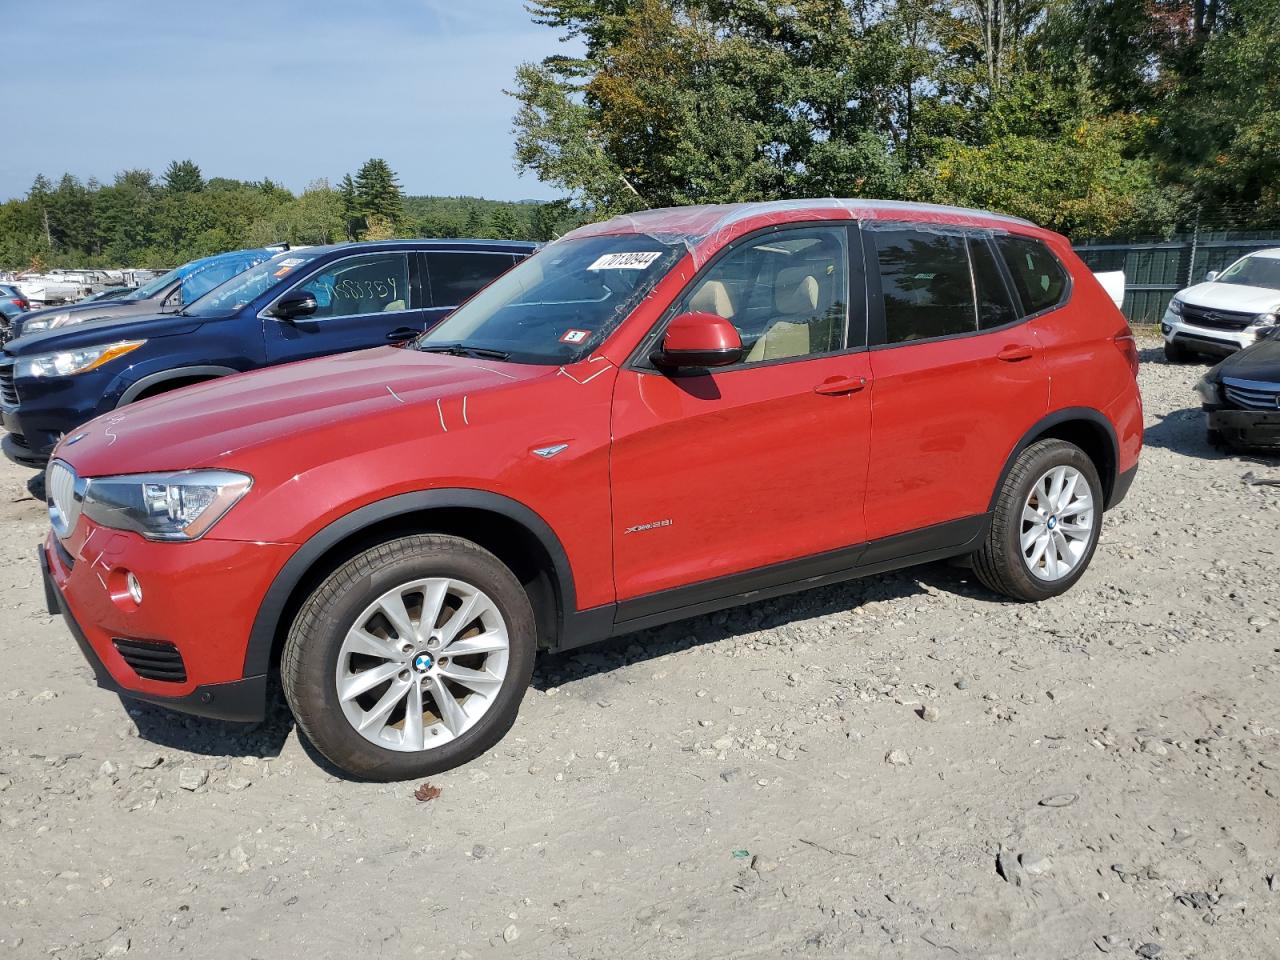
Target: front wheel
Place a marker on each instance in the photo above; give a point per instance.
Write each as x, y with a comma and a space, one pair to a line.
411, 658
1045, 524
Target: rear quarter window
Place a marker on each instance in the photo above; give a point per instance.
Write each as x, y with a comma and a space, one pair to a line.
455, 276
1041, 281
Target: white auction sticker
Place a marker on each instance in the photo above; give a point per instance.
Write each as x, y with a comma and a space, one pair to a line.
625, 261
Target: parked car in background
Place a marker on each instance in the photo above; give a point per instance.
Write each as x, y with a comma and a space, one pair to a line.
299, 304
167, 293
111, 293
1241, 397
12, 305
655, 417
1231, 310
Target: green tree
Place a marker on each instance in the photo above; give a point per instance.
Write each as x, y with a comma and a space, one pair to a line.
378, 192
183, 176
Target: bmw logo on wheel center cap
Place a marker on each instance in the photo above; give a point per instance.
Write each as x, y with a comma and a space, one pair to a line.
423, 662
1053, 522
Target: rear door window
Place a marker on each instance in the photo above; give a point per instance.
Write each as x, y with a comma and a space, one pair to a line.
925, 284
995, 306
454, 276
1041, 281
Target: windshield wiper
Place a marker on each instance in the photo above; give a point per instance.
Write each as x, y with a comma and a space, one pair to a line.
462, 350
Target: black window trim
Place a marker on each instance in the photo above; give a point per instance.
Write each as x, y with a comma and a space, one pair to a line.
512, 260
877, 328
638, 360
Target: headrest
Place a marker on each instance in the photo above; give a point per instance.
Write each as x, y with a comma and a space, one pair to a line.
796, 291
712, 297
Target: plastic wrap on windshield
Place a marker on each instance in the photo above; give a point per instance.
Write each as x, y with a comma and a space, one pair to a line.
706, 228
206, 274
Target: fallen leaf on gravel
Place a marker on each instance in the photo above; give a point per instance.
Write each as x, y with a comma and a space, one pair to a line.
1059, 800
426, 792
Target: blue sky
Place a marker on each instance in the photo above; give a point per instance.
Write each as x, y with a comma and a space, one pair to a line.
295, 90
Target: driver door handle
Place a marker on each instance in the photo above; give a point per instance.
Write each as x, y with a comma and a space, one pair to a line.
1014, 352
838, 386
401, 334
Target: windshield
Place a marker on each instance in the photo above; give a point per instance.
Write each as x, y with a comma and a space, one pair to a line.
1253, 272
246, 287
148, 290
559, 304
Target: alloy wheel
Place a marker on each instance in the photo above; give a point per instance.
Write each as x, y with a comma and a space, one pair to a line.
1057, 523
422, 664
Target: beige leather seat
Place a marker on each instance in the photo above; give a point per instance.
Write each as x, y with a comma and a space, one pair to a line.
393, 306
797, 294
712, 297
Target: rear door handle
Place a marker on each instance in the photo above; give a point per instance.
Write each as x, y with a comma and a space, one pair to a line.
1014, 352
837, 386
401, 334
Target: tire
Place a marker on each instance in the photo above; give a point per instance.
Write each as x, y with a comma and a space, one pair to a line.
1175, 352
1001, 564
323, 649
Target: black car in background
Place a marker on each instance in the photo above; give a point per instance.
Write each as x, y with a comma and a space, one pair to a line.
1242, 397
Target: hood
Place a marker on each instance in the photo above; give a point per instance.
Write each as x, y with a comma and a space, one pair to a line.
217, 422
102, 330
1235, 297
91, 312
1258, 362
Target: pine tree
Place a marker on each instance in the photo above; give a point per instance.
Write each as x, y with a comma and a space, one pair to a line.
378, 192
183, 176
352, 219
474, 225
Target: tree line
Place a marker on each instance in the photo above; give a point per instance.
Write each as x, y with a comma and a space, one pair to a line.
142, 220
1121, 118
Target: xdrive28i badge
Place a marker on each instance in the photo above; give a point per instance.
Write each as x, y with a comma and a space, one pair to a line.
642, 527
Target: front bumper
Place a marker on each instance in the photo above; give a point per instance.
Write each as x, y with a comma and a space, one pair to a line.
1246, 428
201, 598
1204, 339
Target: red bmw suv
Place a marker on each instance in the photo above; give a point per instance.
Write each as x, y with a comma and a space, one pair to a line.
654, 417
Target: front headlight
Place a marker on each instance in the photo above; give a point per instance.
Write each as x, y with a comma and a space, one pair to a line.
52, 322
1264, 320
1210, 392
165, 506
67, 362
1175, 307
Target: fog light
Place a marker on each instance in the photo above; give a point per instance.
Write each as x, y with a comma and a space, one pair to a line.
135, 588
1165, 328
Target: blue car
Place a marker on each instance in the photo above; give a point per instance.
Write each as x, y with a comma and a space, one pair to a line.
165, 294
299, 304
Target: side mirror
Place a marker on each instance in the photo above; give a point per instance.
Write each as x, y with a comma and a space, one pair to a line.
1211, 276
295, 305
698, 340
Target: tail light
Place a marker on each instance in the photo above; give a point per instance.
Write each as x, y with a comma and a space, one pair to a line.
1128, 346
20, 304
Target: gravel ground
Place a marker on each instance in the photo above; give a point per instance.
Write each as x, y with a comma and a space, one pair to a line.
899, 767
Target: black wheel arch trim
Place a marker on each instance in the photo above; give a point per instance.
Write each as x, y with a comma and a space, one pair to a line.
1068, 415
142, 384
267, 623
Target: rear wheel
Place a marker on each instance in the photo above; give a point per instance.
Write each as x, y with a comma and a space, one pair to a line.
1175, 352
411, 658
1045, 525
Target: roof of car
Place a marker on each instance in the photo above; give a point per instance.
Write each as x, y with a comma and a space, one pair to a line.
696, 222
1271, 253
443, 243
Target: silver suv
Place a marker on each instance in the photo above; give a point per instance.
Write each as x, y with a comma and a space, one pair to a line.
1231, 310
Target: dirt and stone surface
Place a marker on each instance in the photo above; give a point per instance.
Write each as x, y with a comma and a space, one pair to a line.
900, 767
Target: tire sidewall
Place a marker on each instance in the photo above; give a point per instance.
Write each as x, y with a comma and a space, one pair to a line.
318, 660
1036, 466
